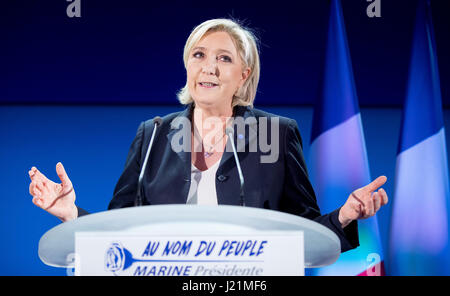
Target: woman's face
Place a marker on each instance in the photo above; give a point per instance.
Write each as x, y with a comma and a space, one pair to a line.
215, 71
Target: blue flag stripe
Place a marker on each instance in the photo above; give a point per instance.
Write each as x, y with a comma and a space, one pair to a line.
422, 116
338, 79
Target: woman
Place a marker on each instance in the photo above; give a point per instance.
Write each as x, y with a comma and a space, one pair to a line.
189, 162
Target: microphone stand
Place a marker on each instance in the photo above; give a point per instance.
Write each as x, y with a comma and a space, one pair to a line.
230, 133
138, 201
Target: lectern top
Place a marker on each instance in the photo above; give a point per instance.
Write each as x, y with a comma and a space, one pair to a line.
322, 246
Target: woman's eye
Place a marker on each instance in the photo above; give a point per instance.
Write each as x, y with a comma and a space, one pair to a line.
198, 54
225, 58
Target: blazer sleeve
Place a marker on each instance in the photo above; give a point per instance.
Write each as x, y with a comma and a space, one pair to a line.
299, 197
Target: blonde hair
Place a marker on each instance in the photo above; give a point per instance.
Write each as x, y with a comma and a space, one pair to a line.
245, 42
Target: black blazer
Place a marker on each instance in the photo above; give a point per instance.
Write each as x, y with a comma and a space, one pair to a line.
282, 185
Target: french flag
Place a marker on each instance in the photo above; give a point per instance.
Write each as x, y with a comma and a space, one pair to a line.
338, 159
419, 221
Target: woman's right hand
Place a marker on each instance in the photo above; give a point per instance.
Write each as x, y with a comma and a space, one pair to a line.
57, 199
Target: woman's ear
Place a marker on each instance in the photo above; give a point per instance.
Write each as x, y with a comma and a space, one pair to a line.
245, 75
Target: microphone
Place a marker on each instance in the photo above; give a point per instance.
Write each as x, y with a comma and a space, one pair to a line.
138, 201
229, 131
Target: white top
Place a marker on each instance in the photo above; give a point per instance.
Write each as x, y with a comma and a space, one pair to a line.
203, 186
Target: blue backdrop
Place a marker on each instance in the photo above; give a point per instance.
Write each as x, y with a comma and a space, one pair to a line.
131, 51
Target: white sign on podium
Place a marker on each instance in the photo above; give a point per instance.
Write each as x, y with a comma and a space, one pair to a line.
134, 254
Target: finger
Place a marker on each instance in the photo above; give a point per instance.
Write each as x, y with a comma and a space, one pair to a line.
368, 206
37, 201
63, 175
377, 201
30, 188
44, 187
31, 173
46, 198
37, 175
375, 184
358, 208
41, 189
384, 197
33, 189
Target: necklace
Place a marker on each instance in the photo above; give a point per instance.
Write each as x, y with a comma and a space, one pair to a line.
209, 152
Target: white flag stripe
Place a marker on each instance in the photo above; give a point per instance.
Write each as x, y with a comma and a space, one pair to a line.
421, 189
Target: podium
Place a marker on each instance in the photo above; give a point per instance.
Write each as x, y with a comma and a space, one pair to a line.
320, 245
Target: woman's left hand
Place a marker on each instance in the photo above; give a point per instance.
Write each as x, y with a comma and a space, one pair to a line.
364, 202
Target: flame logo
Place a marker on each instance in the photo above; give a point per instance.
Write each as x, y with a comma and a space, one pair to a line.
115, 258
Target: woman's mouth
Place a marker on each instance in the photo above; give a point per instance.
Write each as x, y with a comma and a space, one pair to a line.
208, 84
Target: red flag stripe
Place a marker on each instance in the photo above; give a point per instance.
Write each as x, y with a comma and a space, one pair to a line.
376, 270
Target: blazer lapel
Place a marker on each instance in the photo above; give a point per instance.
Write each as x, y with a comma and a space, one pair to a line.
180, 134
242, 138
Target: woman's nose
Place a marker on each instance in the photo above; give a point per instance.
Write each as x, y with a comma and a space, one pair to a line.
210, 67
